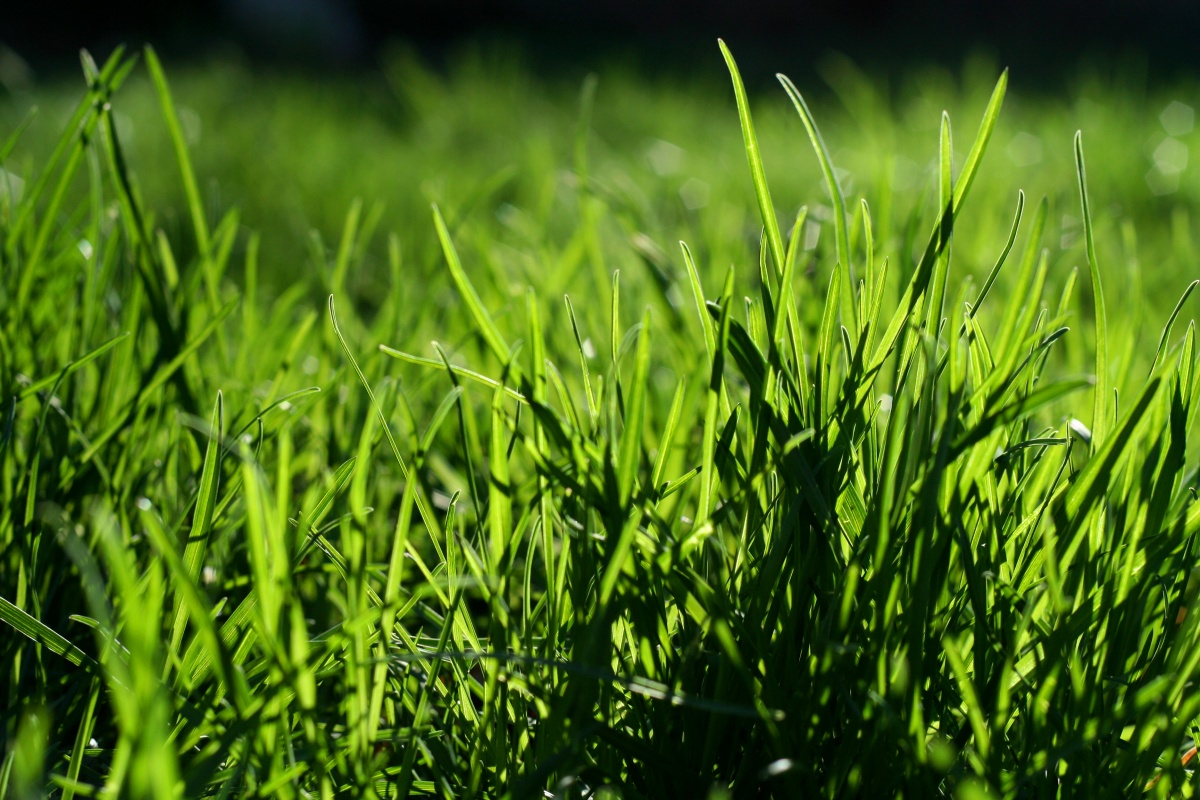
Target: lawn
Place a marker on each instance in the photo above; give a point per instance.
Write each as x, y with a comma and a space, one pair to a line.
477, 432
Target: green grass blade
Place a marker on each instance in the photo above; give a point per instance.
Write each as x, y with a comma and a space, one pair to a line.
422, 505
990, 280
179, 144
986, 126
708, 476
56, 643
920, 279
500, 493
840, 229
1166, 334
762, 192
66, 371
630, 446
615, 318
483, 321
1100, 409
785, 314
163, 374
461, 372
593, 407
706, 326
202, 518
350, 233
667, 440
1088, 485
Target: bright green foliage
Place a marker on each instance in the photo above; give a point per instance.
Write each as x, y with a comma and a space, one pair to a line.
831, 526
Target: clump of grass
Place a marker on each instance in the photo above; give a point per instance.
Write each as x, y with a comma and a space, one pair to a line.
863, 536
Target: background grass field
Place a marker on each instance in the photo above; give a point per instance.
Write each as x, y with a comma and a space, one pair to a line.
905, 507
292, 152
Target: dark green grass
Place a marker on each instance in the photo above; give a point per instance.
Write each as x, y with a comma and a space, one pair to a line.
835, 519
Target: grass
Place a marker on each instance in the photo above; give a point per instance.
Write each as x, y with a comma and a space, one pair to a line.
498, 149
845, 517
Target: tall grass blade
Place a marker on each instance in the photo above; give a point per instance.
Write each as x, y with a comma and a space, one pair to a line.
762, 192
179, 144
1100, 410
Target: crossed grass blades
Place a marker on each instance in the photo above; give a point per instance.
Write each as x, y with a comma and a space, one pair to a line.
823, 540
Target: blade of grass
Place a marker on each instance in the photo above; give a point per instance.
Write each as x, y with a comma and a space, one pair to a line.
762, 192
1100, 409
841, 237
179, 144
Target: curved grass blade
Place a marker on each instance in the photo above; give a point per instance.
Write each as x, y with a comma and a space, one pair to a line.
995, 271
41, 633
667, 440
840, 232
593, 408
50, 380
202, 517
461, 372
761, 191
631, 436
1166, 334
920, 279
422, 507
1100, 406
162, 376
710, 338
986, 126
483, 320
187, 175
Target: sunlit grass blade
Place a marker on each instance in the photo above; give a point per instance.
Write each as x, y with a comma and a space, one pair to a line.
463, 372
482, 319
994, 273
762, 192
708, 475
667, 441
202, 517
840, 234
584, 356
1166, 334
986, 126
26, 625
921, 276
630, 446
1100, 408
179, 144
387, 431
706, 326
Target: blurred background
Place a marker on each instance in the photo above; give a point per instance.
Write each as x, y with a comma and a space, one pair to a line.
297, 111
1024, 34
